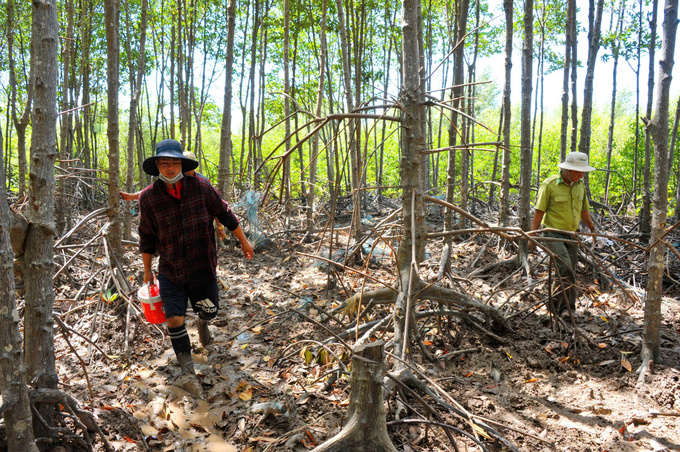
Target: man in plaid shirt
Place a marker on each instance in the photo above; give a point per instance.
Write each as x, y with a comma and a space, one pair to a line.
176, 222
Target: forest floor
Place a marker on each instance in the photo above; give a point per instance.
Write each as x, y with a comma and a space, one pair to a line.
263, 386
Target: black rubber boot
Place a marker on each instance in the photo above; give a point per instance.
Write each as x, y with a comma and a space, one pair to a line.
188, 379
204, 332
186, 363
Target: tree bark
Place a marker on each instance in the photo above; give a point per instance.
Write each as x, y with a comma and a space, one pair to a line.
86, 27
65, 146
574, 76
365, 430
252, 160
136, 89
454, 131
525, 130
353, 147
658, 129
226, 145
645, 227
18, 417
637, 107
612, 113
319, 102
594, 32
21, 123
412, 243
286, 112
540, 97
568, 43
504, 214
39, 258
111, 17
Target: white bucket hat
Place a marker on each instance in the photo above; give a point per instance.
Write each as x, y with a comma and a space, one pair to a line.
576, 161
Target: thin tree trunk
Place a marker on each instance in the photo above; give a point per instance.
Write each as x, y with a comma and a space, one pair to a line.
568, 42
457, 93
260, 115
86, 27
136, 88
319, 102
20, 124
525, 130
286, 111
539, 98
504, 214
412, 243
612, 114
658, 128
637, 106
180, 74
389, 25
594, 32
494, 173
39, 258
471, 110
243, 96
226, 146
16, 407
646, 226
252, 160
173, 45
65, 136
353, 146
574, 76
111, 14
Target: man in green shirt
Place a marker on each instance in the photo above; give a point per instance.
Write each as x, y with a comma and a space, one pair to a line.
561, 204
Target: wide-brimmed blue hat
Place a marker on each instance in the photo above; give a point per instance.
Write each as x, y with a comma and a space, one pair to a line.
170, 149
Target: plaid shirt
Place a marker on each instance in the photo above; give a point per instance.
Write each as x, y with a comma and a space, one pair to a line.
181, 230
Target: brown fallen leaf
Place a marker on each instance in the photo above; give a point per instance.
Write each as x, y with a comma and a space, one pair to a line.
626, 364
246, 395
263, 439
199, 428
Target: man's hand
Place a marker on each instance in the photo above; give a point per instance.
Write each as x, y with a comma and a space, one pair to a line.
245, 244
247, 249
129, 196
148, 277
221, 234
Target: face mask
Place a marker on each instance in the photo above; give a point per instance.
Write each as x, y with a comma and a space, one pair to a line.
172, 181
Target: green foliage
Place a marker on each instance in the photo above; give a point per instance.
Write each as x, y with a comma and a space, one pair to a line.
374, 33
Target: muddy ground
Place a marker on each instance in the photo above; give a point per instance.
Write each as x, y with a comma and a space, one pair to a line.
263, 386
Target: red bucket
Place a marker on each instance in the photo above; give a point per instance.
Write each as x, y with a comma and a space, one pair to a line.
151, 303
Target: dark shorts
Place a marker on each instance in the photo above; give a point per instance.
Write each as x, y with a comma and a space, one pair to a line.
204, 298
